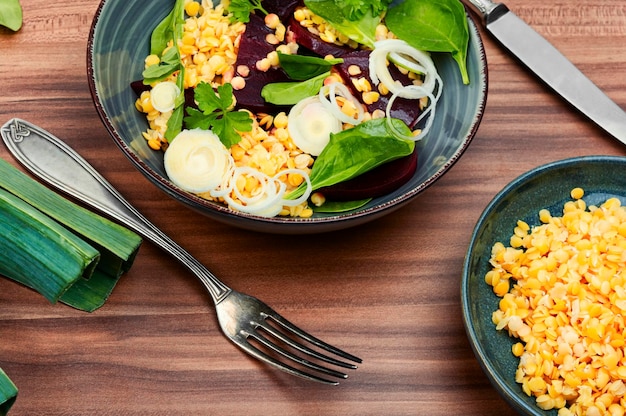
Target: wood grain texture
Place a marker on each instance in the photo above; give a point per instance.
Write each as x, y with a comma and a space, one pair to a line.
387, 291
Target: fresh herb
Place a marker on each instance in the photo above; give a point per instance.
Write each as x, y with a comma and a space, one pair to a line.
11, 14
168, 32
357, 150
168, 28
241, 9
216, 113
175, 122
303, 67
433, 25
354, 10
291, 93
170, 63
356, 19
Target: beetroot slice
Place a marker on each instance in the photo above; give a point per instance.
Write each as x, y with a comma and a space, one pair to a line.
377, 182
314, 43
404, 109
282, 8
253, 48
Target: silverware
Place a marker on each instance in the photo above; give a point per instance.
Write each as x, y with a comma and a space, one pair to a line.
242, 318
551, 66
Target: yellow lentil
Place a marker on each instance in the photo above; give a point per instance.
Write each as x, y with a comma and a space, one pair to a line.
566, 305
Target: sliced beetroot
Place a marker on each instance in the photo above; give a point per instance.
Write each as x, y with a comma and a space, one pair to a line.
138, 87
377, 182
252, 48
403, 109
283, 8
303, 37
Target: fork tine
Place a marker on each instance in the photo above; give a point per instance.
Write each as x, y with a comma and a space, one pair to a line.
284, 323
301, 360
301, 347
262, 356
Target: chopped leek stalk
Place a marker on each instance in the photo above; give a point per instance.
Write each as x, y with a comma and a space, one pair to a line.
62, 250
8, 393
40, 253
119, 240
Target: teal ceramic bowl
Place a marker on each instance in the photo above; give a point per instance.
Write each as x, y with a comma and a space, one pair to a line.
118, 43
547, 186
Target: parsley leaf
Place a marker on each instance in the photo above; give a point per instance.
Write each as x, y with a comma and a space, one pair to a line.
241, 9
216, 113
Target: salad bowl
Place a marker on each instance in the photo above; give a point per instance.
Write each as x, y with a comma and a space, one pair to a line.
118, 43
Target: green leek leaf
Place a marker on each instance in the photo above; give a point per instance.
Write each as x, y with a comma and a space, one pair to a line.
40, 253
8, 393
62, 250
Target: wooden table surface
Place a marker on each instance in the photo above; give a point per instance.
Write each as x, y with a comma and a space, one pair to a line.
387, 291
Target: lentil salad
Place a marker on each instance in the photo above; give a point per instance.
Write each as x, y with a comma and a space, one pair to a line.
268, 153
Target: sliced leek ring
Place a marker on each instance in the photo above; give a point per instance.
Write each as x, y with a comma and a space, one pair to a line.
197, 161
310, 125
400, 51
163, 96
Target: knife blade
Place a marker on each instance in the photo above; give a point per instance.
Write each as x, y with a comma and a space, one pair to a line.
551, 66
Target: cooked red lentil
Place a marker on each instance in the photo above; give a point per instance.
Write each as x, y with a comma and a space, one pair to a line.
563, 295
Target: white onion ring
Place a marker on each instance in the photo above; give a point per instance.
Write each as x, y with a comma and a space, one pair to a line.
330, 102
270, 201
428, 110
305, 195
379, 71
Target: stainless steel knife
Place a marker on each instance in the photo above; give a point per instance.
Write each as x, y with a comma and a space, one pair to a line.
551, 66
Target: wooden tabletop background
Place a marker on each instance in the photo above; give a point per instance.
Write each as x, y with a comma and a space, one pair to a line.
387, 291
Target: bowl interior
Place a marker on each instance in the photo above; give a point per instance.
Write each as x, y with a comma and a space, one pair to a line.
548, 187
118, 44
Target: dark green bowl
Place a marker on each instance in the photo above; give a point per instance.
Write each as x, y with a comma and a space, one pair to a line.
118, 44
547, 186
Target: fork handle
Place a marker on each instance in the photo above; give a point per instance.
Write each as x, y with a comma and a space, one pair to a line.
57, 164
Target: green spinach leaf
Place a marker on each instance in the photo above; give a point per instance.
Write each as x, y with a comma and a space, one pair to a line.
357, 20
290, 93
357, 150
170, 29
167, 28
303, 67
11, 14
170, 63
434, 26
341, 206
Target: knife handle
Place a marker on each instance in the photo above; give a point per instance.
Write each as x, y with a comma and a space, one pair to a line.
486, 9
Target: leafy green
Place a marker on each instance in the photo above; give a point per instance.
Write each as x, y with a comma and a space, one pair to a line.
241, 9
357, 150
8, 393
303, 67
216, 113
356, 19
340, 206
290, 93
433, 25
170, 63
11, 14
170, 29
167, 29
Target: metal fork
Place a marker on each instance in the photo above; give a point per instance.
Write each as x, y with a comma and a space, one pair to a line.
246, 321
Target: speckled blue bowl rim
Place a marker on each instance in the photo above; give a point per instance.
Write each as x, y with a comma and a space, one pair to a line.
513, 395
